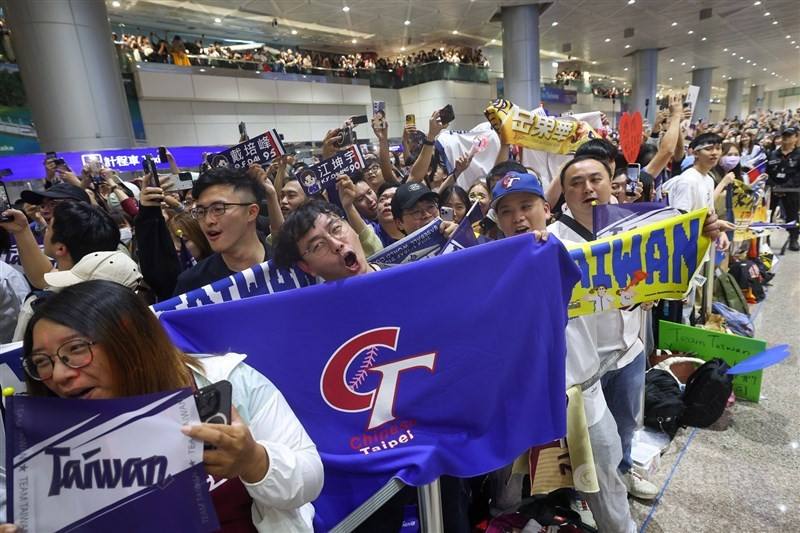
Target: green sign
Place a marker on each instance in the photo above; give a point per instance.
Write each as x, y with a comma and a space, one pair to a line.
707, 344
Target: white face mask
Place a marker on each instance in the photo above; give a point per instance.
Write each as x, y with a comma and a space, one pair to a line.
125, 235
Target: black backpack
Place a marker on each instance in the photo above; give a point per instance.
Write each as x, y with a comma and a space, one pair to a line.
706, 394
663, 406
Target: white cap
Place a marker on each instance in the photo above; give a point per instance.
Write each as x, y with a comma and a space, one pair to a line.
111, 266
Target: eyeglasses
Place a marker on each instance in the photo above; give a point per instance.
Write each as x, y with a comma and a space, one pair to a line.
76, 353
216, 210
423, 211
336, 230
477, 196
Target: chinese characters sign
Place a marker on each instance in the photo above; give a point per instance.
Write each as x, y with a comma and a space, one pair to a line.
259, 150
322, 176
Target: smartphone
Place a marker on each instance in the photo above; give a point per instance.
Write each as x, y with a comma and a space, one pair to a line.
162, 154
411, 120
446, 114
379, 114
633, 177
446, 213
214, 404
5, 203
185, 181
359, 119
59, 161
347, 136
50, 155
243, 132
149, 167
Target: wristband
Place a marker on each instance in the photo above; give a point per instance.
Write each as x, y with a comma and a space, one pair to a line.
426, 142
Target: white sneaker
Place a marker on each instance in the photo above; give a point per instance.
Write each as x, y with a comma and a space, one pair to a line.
580, 506
638, 487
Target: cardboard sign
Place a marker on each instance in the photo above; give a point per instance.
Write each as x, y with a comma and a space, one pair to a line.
630, 135
259, 150
709, 344
322, 176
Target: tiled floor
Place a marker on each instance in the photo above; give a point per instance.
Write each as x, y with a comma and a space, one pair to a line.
743, 473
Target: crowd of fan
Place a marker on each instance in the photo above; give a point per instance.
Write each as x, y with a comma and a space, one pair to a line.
179, 52
161, 242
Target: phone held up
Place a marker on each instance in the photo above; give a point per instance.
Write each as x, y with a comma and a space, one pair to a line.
162, 154
5, 204
149, 167
214, 403
411, 120
185, 181
446, 213
447, 115
633, 171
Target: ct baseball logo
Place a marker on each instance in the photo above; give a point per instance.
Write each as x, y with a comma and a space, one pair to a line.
509, 180
343, 394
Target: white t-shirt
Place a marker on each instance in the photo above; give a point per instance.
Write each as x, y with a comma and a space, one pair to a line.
583, 360
690, 190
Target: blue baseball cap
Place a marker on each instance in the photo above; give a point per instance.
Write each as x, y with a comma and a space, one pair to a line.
513, 182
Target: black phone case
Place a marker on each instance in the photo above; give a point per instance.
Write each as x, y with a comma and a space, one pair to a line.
214, 403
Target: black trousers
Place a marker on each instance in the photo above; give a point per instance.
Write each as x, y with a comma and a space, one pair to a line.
791, 205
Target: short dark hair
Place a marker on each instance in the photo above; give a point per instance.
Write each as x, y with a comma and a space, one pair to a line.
235, 177
384, 186
297, 224
599, 149
580, 158
84, 229
705, 138
458, 191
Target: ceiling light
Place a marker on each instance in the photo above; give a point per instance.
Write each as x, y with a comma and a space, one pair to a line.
747, 61
755, 64
670, 79
625, 69
294, 32
766, 13
794, 42
441, 49
774, 22
402, 48
217, 20
757, 3
724, 49
594, 62
692, 66
788, 36
258, 72
733, 54
407, 22
674, 24
202, 70
627, 46
702, 38
631, 2
554, 64
764, 69
354, 41
683, 63
608, 39
690, 32
455, 32
114, 4
772, 73
671, 59
555, 23
493, 41
345, 9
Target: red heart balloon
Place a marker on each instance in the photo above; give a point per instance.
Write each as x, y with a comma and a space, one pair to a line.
630, 135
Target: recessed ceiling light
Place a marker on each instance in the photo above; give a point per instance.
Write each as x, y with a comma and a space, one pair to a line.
407, 22
441, 49
625, 69
627, 46
594, 62
555, 23
788, 36
757, 3
774, 22
794, 42
554, 64
402, 48
766, 13
747, 61
493, 41
683, 63
764, 69
733, 54
674, 24
671, 59
690, 32
772, 73
755, 64
724, 49
346, 9
670, 79
631, 2
455, 32
608, 39
294, 32
114, 4
354, 41
217, 20
702, 38
258, 72
202, 70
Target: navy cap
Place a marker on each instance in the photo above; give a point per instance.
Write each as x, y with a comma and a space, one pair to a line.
788, 132
513, 182
59, 191
408, 194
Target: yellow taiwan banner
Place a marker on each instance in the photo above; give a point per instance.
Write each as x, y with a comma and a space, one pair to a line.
654, 262
748, 206
537, 131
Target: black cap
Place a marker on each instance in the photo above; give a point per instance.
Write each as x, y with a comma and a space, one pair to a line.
408, 194
789, 132
59, 191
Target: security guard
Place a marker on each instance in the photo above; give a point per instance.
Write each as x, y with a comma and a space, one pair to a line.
783, 169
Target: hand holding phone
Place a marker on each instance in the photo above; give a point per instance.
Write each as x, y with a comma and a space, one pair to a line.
633, 171
5, 204
162, 154
447, 115
214, 404
446, 213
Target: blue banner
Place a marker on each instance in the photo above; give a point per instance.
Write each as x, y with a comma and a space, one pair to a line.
386, 390
94, 465
264, 278
427, 241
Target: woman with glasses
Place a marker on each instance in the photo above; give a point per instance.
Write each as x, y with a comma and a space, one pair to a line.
98, 340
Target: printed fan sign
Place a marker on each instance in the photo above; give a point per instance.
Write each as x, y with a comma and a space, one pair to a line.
630, 135
654, 262
612, 219
392, 394
427, 241
259, 150
536, 131
93, 465
322, 176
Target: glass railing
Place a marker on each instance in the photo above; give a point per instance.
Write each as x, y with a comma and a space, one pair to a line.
384, 79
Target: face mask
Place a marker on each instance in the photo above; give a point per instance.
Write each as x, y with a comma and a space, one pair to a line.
125, 235
728, 162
